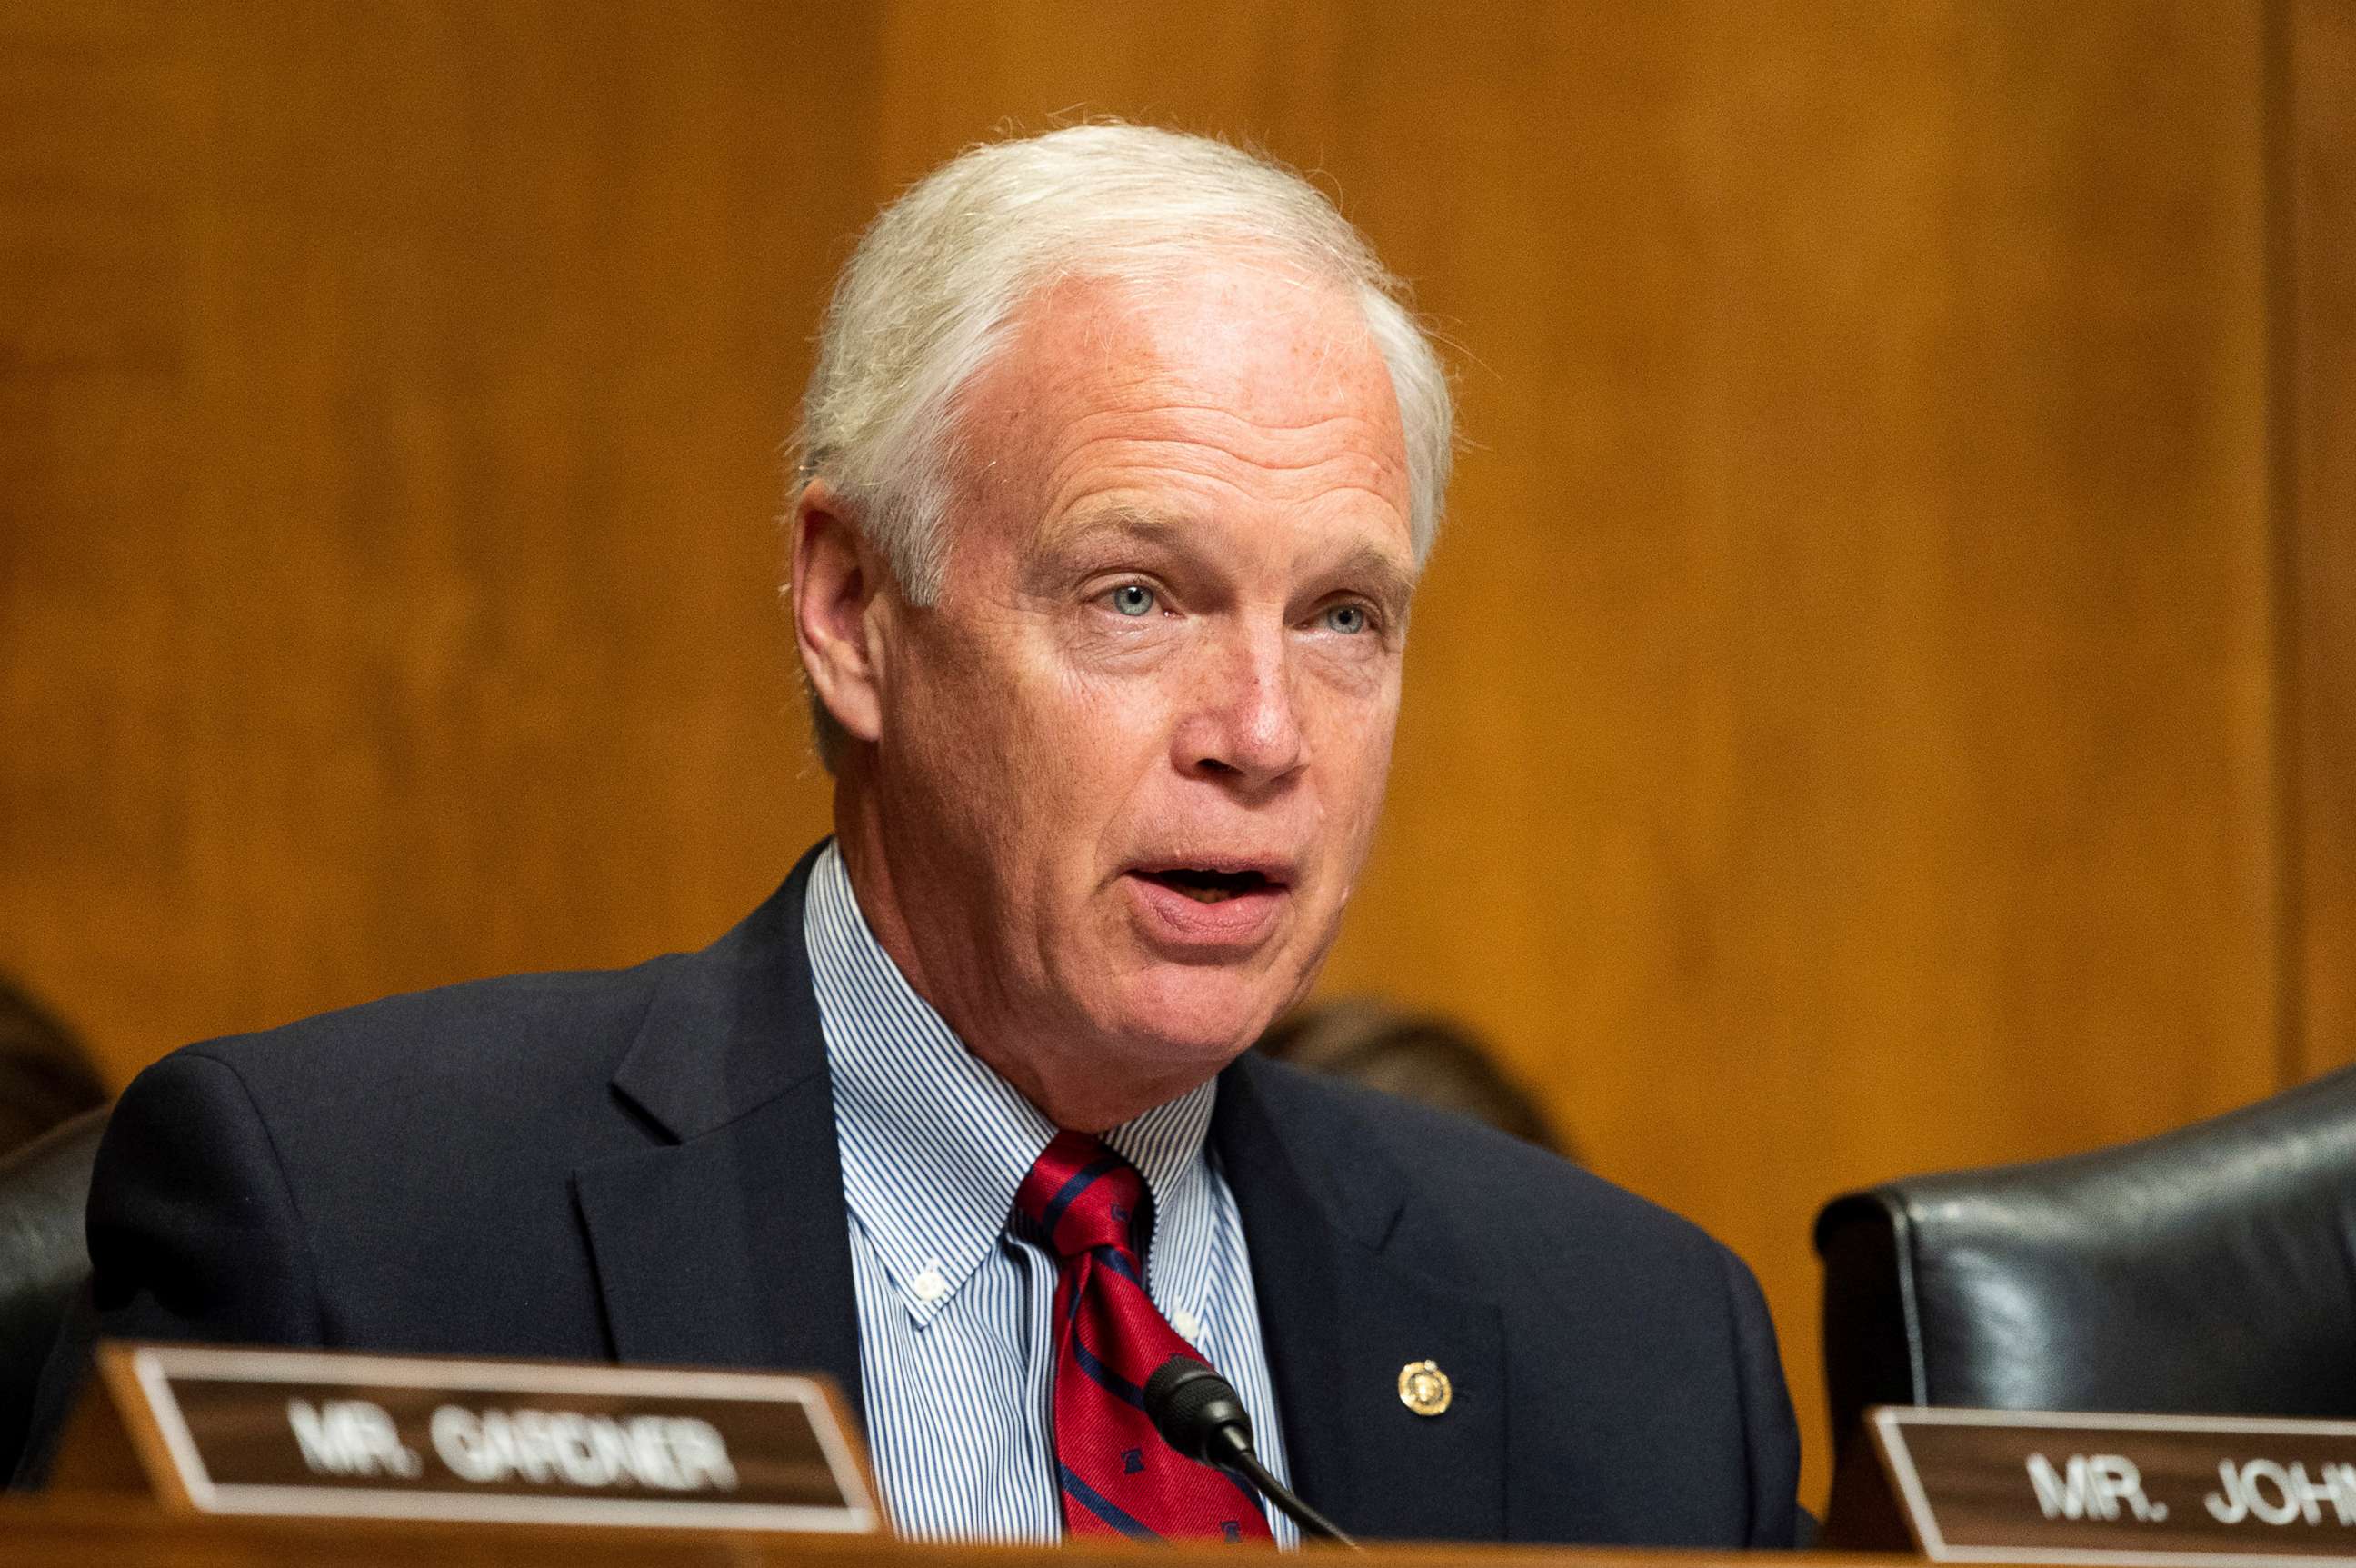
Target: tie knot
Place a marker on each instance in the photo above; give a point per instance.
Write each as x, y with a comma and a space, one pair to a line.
1082, 1196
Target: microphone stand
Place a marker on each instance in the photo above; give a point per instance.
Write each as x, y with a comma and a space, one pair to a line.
1314, 1525
1198, 1413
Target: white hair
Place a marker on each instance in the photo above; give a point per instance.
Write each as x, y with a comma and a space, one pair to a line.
926, 299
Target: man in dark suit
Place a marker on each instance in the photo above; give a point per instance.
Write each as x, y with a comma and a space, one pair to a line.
1119, 464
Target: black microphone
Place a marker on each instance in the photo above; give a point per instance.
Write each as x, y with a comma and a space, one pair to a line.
1197, 1413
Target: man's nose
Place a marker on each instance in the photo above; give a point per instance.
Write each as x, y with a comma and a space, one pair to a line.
1241, 723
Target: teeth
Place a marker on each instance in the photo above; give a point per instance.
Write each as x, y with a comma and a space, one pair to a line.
1207, 895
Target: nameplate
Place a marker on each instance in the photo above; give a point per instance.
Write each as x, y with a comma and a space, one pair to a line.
237, 1431
2040, 1487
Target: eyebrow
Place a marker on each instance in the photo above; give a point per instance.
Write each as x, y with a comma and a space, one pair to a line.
1391, 584
1117, 521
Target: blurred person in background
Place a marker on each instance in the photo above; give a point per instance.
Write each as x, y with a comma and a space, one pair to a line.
45, 1076
1422, 1057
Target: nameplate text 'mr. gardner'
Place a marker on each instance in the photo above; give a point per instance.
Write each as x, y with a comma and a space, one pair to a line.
238, 1431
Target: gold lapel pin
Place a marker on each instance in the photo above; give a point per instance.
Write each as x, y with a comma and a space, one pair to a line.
1424, 1388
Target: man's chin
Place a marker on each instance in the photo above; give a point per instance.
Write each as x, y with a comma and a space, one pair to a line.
1192, 1018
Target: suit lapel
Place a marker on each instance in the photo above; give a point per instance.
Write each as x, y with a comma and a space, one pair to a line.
726, 1243
1352, 1287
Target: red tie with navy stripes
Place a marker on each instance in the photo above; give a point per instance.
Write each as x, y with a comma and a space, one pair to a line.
1118, 1477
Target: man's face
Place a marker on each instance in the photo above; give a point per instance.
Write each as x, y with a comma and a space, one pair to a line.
1131, 759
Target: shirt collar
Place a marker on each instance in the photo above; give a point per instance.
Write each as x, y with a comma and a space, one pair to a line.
934, 1142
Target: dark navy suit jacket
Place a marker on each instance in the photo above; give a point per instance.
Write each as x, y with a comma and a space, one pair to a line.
641, 1165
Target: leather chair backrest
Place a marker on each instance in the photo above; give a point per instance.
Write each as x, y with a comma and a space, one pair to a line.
2208, 1270
44, 1262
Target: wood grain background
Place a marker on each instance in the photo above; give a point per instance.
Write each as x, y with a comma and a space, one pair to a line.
1882, 701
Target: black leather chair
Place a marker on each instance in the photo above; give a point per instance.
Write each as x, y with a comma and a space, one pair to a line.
44, 1262
2207, 1271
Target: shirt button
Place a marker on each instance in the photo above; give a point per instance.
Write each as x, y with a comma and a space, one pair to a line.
930, 1284
1188, 1325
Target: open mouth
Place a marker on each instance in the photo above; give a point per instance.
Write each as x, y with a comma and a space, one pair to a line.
1205, 886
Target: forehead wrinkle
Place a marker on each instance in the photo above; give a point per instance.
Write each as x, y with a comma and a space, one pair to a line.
1141, 450
1072, 443
1069, 499
1374, 473
1226, 412
1126, 368
1243, 438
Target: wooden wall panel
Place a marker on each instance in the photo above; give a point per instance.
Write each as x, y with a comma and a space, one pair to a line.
1839, 742
1841, 731
2319, 529
393, 400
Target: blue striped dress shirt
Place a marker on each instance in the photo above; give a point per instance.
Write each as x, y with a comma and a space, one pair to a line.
957, 1346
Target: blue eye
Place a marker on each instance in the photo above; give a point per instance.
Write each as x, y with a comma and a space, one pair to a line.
1350, 619
1134, 599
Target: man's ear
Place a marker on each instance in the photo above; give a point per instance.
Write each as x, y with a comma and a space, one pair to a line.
836, 580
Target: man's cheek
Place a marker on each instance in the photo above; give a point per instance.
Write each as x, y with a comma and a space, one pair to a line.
1106, 719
